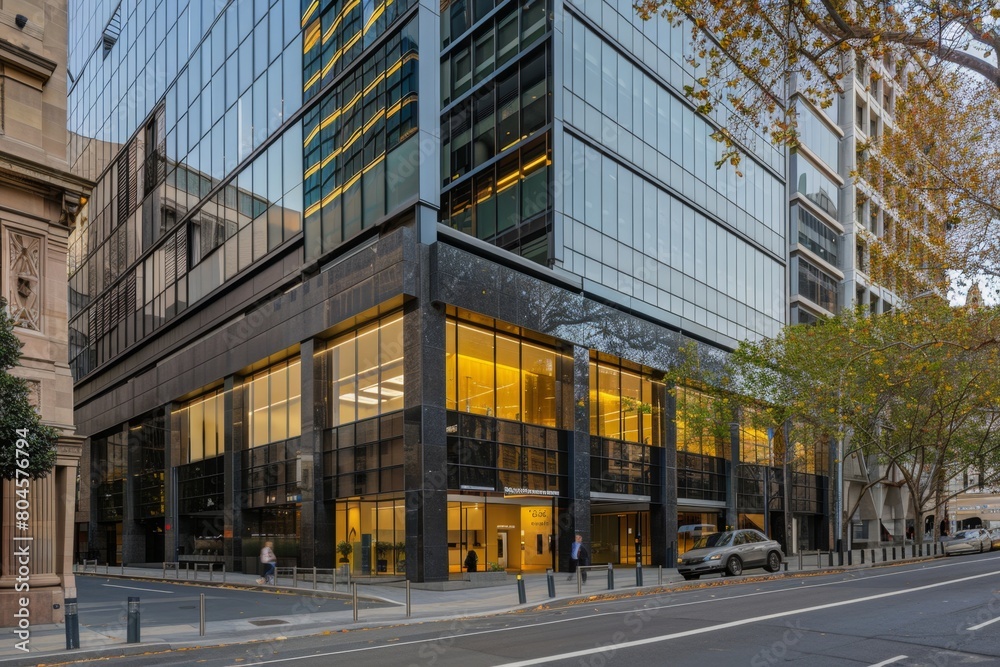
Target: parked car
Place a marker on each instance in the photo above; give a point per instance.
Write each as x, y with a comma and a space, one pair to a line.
971, 540
730, 552
995, 538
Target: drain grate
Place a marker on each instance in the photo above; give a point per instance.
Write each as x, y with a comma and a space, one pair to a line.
269, 621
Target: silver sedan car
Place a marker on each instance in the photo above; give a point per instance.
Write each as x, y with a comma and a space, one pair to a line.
971, 540
730, 552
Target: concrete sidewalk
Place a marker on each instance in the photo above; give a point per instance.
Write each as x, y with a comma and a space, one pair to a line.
446, 600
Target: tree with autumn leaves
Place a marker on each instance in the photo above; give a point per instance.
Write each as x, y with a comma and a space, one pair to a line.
935, 169
917, 390
814, 44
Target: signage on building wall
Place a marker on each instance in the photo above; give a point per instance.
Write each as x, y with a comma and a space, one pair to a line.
519, 491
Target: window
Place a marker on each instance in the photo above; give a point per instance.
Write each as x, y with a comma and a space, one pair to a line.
112, 31
696, 420
366, 371
624, 404
816, 236
202, 426
273, 400
817, 286
500, 375
816, 187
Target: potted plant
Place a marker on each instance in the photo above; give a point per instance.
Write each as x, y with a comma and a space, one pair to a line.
381, 562
400, 549
344, 548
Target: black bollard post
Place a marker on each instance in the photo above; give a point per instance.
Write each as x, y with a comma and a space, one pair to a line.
551, 579
133, 620
521, 595
611, 578
72, 625
638, 574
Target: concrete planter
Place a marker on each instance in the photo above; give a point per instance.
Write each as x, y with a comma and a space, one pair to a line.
486, 577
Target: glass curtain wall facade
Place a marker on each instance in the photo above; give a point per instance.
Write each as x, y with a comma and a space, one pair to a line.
325, 234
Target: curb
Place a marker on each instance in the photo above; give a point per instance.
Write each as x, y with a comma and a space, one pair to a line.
283, 590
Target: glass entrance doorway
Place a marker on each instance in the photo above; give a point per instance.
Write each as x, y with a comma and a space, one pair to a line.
614, 538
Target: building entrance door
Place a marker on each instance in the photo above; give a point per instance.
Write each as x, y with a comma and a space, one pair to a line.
502, 548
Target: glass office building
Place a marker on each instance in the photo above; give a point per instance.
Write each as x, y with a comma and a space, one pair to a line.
405, 276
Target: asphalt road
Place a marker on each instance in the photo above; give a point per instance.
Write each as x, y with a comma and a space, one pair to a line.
103, 603
942, 612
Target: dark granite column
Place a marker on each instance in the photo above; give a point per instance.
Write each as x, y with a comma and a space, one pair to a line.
323, 515
663, 514
233, 499
574, 514
171, 459
310, 457
425, 442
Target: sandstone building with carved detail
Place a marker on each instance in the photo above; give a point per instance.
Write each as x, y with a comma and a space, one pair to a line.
38, 201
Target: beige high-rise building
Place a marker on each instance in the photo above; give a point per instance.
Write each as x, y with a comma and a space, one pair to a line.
38, 200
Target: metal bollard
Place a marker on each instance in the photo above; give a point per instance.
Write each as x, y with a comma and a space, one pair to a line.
638, 574
295, 576
407, 598
354, 595
611, 578
72, 625
133, 620
201, 620
314, 577
550, 579
850, 559
521, 595
659, 575
223, 573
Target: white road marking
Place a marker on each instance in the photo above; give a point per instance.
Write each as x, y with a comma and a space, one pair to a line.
133, 588
983, 625
643, 641
734, 624
890, 661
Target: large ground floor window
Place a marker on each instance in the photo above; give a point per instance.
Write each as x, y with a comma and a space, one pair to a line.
486, 533
371, 536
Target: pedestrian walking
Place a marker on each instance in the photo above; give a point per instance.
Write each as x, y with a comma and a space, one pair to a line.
270, 562
578, 556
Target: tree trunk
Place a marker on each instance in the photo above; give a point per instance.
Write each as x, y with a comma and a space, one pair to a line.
939, 503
